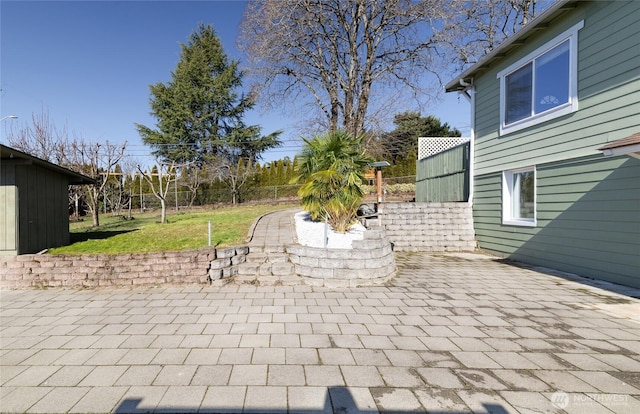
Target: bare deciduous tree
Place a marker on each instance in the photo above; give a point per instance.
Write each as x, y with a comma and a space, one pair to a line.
94, 160
129, 171
338, 52
116, 196
234, 175
192, 177
351, 59
42, 139
166, 174
482, 25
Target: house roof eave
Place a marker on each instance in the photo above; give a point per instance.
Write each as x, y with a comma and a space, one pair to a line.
541, 22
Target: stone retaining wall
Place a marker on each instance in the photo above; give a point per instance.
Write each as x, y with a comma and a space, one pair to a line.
370, 261
47, 270
429, 227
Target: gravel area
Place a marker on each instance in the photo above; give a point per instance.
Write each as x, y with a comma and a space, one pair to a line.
311, 233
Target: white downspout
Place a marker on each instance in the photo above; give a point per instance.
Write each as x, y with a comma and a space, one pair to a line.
467, 87
468, 92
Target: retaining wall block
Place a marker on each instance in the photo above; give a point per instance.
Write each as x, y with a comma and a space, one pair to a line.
355, 263
142, 281
226, 253
12, 276
369, 244
378, 263
265, 269
294, 250
318, 253
16, 271
429, 226
363, 274
323, 273
7, 259
220, 263
294, 258
281, 269
313, 282
117, 270
242, 250
307, 261
340, 254
330, 263
316, 272
376, 233
229, 271
215, 274
336, 283
236, 260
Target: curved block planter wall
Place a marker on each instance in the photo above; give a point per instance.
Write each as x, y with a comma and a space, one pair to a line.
46, 270
370, 261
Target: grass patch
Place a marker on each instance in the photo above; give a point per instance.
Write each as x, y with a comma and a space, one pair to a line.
184, 231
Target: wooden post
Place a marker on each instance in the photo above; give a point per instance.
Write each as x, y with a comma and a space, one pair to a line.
378, 166
379, 183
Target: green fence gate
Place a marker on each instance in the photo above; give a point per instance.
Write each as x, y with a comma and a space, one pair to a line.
444, 176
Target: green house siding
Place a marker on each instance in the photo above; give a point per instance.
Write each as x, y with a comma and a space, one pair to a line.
608, 93
587, 205
588, 219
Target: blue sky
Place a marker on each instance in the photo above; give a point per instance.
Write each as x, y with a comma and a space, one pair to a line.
90, 64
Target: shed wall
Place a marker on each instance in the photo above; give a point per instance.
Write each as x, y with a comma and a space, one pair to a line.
44, 208
34, 209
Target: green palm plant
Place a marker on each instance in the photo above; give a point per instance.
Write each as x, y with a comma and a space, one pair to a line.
332, 169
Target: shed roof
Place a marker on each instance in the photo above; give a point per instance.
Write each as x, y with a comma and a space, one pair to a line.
74, 177
541, 22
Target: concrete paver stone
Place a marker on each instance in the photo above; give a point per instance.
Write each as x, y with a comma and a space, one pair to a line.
452, 333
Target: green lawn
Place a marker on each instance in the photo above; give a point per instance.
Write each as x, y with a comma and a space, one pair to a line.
184, 231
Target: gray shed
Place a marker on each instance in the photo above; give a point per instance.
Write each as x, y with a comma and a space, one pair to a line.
34, 202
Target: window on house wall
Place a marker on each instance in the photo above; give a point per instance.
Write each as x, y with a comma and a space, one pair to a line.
519, 197
542, 85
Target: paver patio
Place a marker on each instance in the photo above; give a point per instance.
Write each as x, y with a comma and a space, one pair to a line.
452, 333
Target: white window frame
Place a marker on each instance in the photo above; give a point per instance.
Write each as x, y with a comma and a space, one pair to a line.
571, 106
508, 197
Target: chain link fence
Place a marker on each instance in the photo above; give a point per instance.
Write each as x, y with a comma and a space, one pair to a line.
394, 187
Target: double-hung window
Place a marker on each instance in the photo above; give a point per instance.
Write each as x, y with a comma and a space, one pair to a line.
541, 86
519, 197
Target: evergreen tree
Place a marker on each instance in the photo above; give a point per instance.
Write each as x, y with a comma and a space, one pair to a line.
280, 177
263, 177
272, 173
236, 161
400, 142
198, 107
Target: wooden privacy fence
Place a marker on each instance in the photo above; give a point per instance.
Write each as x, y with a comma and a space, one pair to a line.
444, 177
